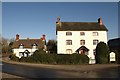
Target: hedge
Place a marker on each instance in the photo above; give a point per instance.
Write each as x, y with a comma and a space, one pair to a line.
53, 58
56, 58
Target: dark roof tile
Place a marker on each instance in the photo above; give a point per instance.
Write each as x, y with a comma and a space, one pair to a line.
80, 26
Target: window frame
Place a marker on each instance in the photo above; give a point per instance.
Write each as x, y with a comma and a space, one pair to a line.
82, 33
94, 52
68, 42
68, 33
95, 33
70, 50
94, 42
82, 42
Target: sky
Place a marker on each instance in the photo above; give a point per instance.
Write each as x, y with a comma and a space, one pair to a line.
59, 0
32, 19
119, 20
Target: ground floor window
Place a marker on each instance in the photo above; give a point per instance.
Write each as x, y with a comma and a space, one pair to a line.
69, 51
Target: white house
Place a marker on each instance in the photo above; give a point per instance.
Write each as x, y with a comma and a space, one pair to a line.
26, 47
80, 37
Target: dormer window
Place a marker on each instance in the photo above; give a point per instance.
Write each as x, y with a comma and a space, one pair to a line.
21, 46
68, 33
34, 46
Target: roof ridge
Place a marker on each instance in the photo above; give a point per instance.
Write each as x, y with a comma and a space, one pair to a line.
80, 22
30, 39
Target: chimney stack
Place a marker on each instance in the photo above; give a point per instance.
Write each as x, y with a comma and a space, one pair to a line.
100, 21
17, 37
58, 19
58, 23
43, 37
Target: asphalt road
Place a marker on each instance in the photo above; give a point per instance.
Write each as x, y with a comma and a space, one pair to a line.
28, 72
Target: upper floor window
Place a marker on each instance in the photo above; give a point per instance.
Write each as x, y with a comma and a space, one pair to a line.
82, 33
82, 42
94, 51
95, 42
68, 33
68, 42
21, 46
95, 34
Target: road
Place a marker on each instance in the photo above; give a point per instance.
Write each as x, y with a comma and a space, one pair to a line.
29, 71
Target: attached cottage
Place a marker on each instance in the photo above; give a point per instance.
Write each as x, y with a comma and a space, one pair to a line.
26, 47
80, 37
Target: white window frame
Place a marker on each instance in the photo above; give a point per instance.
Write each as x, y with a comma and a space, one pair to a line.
82, 33
82, 42
68, 42
69, 51
94, 52
95, 42
95, 33
68, 33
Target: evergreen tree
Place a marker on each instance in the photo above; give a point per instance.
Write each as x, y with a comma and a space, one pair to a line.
102, 53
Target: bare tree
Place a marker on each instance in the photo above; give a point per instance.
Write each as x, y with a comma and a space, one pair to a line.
4, 44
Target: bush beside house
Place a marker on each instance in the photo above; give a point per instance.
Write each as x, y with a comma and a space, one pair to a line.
13, 57
102, 53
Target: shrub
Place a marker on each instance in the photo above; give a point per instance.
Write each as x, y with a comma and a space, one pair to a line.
23, 59
13, 57
102, 53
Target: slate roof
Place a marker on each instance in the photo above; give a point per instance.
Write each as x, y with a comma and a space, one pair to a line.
80, 26
114, 42
28, 43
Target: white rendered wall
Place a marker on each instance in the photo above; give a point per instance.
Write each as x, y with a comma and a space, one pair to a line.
88, 37
16, 51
